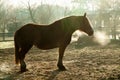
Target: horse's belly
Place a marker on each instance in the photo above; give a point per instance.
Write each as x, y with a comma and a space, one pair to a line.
46, 46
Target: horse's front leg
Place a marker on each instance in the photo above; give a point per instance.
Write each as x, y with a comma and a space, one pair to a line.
60, 59
23, 66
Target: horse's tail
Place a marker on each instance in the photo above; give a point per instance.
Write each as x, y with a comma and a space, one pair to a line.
17, 48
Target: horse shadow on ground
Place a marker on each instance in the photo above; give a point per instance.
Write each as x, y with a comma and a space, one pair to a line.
14, 75
10, 76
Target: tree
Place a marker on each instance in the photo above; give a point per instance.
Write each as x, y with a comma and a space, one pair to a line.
3, 18
112, 14
31, 11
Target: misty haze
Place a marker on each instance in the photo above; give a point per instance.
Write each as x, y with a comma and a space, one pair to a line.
95, 57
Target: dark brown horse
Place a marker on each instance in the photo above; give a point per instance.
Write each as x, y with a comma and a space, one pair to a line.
57, 34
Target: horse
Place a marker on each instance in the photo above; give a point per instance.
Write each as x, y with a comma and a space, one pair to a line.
55, 35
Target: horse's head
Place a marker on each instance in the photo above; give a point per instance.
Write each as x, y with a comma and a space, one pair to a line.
86, 26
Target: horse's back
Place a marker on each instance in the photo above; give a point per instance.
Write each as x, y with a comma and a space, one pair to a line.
51, 34
39, 35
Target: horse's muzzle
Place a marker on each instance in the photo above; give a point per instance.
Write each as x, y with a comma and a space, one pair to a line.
91, 33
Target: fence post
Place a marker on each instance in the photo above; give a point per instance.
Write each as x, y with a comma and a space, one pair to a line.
3, 34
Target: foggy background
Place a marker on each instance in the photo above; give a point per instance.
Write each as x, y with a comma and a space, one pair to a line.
84, 59
104, 15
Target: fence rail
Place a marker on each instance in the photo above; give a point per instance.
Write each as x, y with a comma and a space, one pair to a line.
10, 36
6, 37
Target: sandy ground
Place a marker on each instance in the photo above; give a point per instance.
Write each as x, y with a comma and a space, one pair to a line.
91, 62
8, 44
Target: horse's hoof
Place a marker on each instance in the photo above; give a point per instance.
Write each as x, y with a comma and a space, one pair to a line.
62, 68
23, 70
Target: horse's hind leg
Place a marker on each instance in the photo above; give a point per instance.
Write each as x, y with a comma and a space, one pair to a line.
23, 51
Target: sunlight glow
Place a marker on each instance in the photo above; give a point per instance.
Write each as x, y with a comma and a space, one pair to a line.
4, 45
14, 2
18, 3
92, 5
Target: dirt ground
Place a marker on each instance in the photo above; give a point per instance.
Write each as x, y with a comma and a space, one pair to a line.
90, 62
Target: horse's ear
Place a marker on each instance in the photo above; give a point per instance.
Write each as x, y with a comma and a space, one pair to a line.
85, 14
